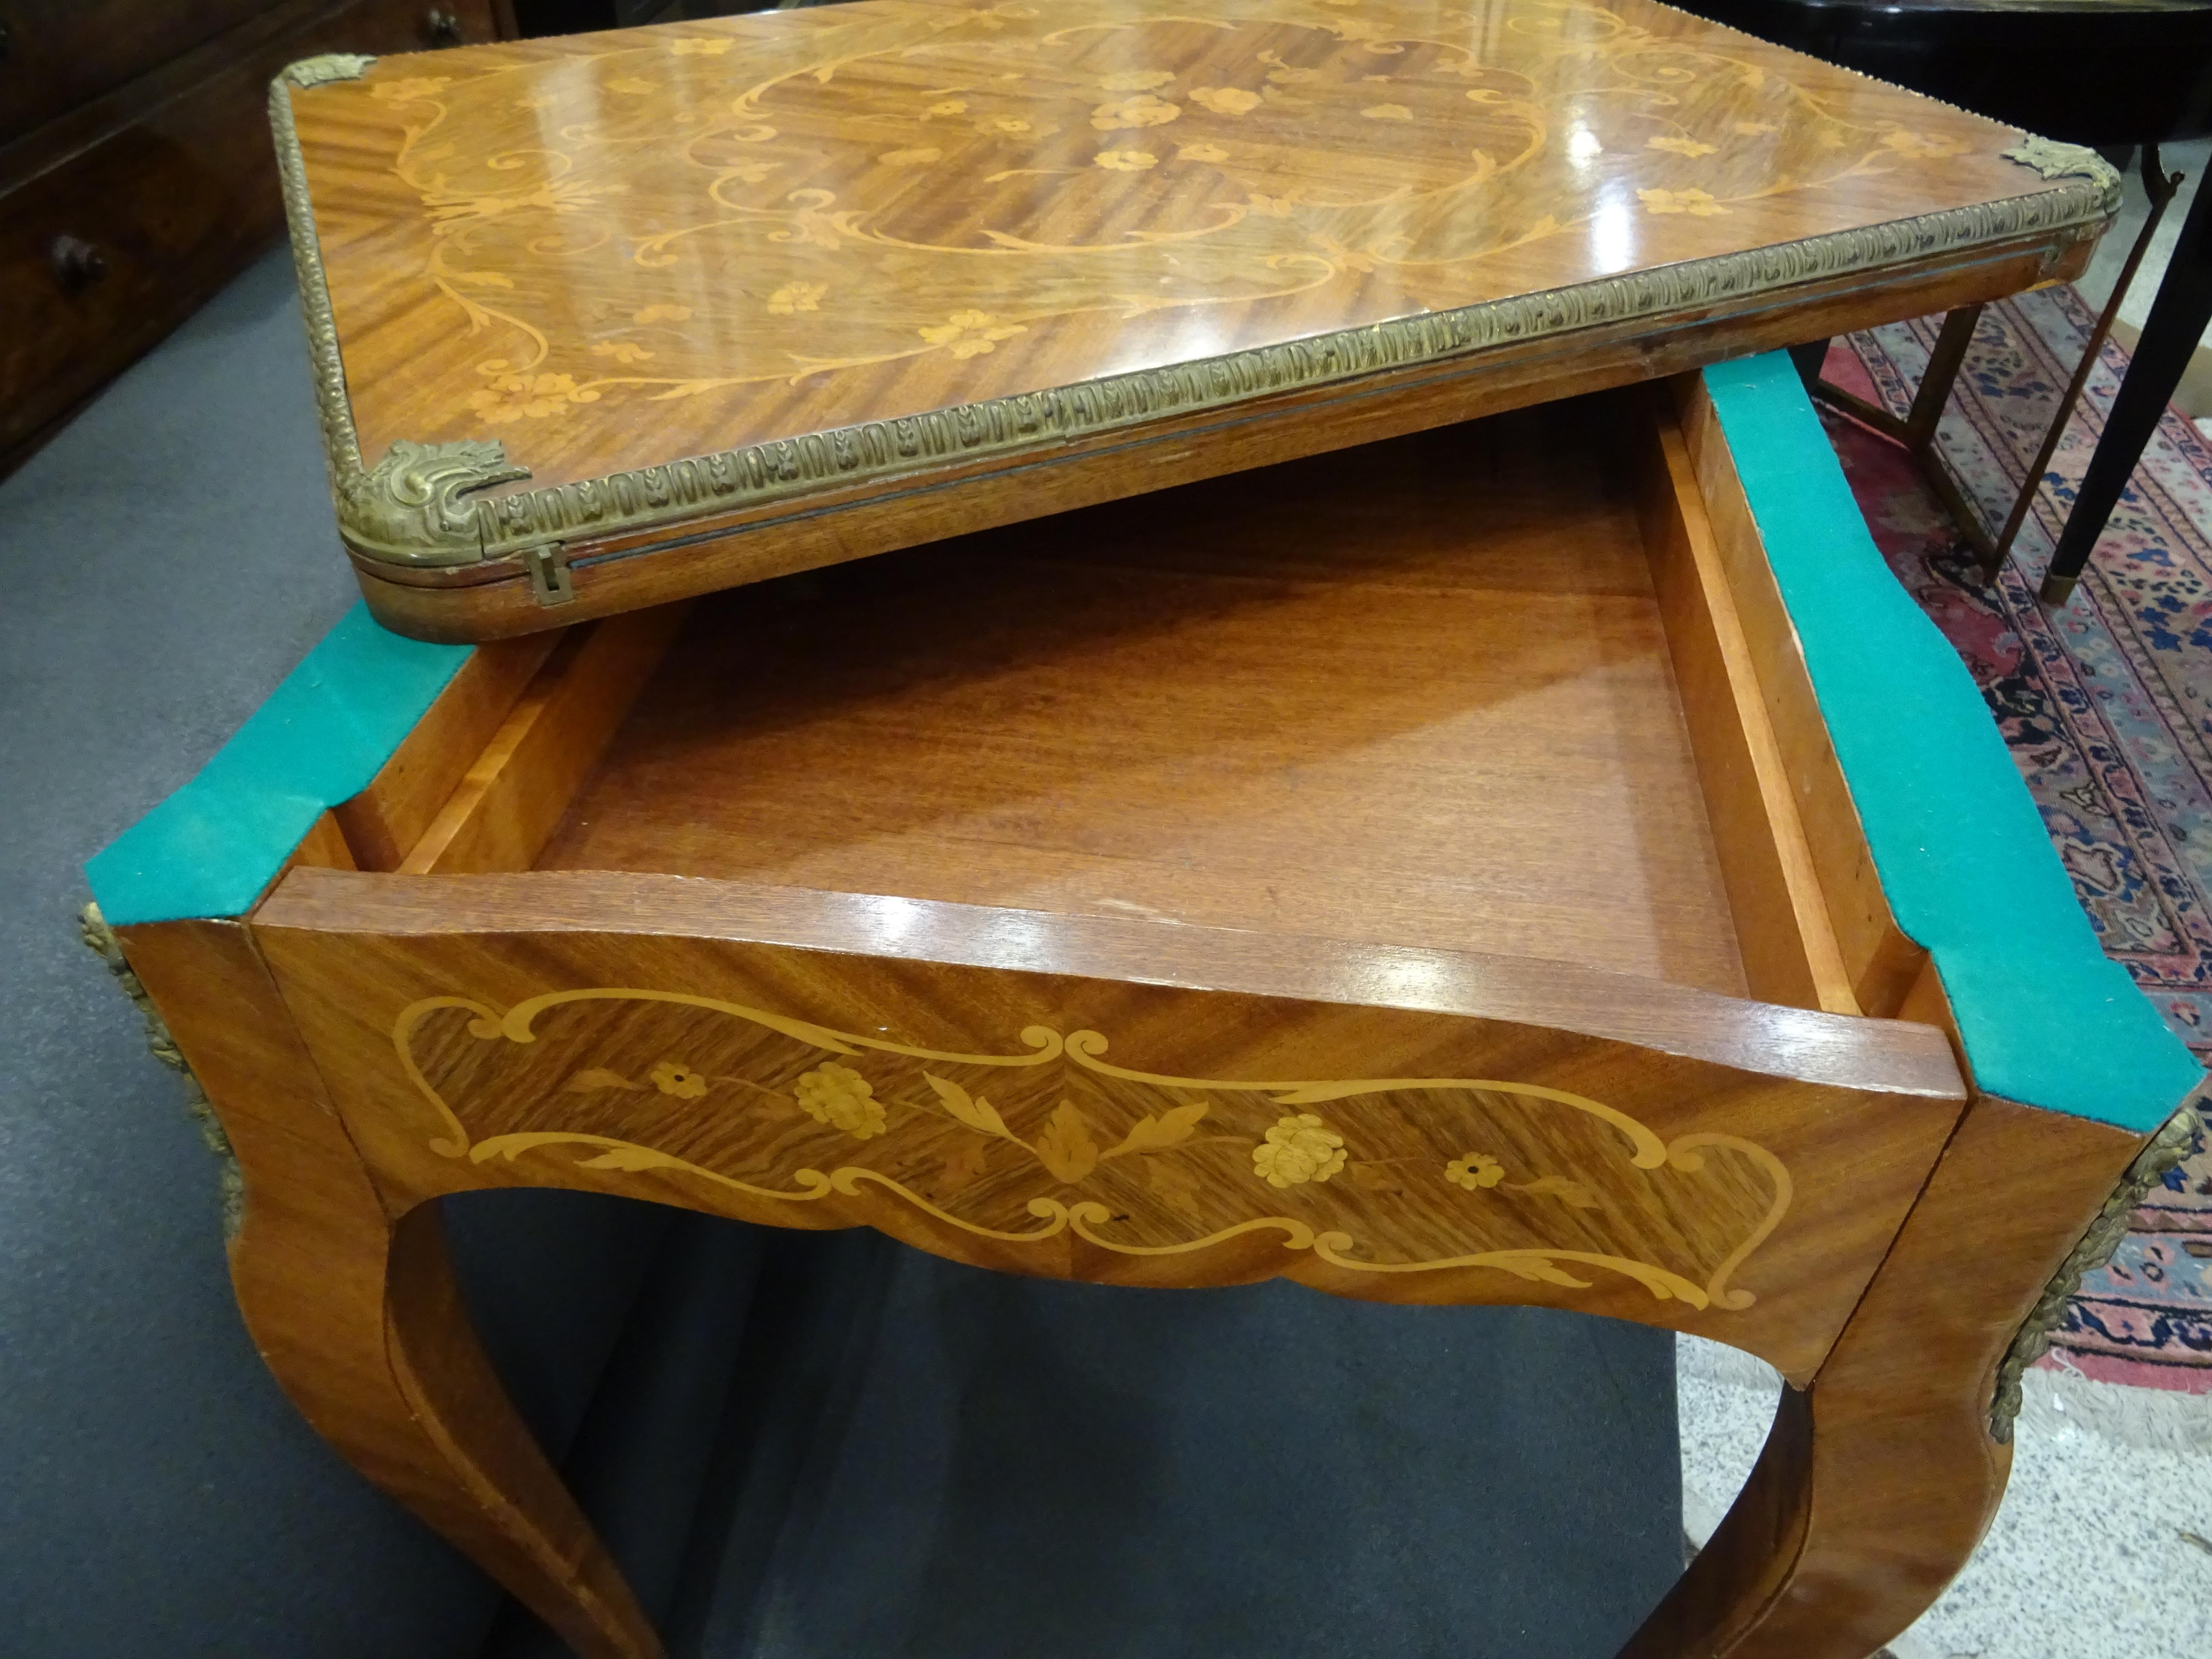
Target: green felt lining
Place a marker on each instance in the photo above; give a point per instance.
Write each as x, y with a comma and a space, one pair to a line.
209, 849
2046, 1017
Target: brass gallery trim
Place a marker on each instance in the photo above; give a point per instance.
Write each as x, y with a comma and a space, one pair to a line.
2160, 1154
331, 66
408, 509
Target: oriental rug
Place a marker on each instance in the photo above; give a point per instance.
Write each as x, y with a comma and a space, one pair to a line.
2106, 705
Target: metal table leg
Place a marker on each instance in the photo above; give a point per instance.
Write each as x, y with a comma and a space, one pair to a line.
1916, 431
2178, 319
2160, 187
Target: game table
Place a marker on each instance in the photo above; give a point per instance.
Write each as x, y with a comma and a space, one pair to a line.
1163, 646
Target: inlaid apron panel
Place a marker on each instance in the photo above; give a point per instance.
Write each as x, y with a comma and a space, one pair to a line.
1082, 1128
1376, 1175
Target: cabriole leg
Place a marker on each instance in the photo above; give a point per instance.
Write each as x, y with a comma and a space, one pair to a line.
357, 1314
1878, 1481
1851, 1524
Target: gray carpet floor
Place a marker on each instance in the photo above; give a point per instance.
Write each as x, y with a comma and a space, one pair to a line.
998, 1466
798, 1445
163, 563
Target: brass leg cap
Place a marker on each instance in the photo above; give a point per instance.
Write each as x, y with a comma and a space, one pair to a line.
2056, 590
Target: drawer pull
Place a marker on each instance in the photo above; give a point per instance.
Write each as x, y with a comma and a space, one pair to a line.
78, 264
441, 27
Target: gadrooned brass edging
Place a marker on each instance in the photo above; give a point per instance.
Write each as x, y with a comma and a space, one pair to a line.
408, 509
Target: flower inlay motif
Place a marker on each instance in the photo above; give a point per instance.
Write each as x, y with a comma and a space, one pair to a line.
969, 333
529, 396
1142, 111
673, 1077
1055, 1140
1474, 1171
1697, 202
841, 1097
1225, 101
1318, 150
1298, 1149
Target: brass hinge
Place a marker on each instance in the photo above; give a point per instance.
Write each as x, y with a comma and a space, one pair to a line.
548, 574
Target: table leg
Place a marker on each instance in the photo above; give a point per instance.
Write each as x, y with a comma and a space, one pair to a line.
1878, 1481
1807, 359
1943, 364
2177, 323
356, 1312
1916, 430
2160, 187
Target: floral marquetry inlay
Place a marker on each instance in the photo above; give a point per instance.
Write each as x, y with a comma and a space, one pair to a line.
761, 1112
621, 249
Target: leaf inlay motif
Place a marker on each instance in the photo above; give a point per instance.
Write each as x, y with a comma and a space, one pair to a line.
767, 1110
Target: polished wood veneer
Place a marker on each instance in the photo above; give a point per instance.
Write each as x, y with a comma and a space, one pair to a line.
1418, 693
780, 225
641, 315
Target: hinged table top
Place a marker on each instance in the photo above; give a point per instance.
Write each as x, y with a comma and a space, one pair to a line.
935, 229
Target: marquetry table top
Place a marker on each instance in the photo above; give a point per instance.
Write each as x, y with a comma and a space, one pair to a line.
982, 225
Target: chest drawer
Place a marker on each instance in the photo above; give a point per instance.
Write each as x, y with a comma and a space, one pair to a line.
56, 54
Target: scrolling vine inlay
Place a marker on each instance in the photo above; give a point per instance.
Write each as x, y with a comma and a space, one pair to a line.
632, 247
763, 1112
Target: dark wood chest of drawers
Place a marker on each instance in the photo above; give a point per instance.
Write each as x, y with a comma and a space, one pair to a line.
135, 171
